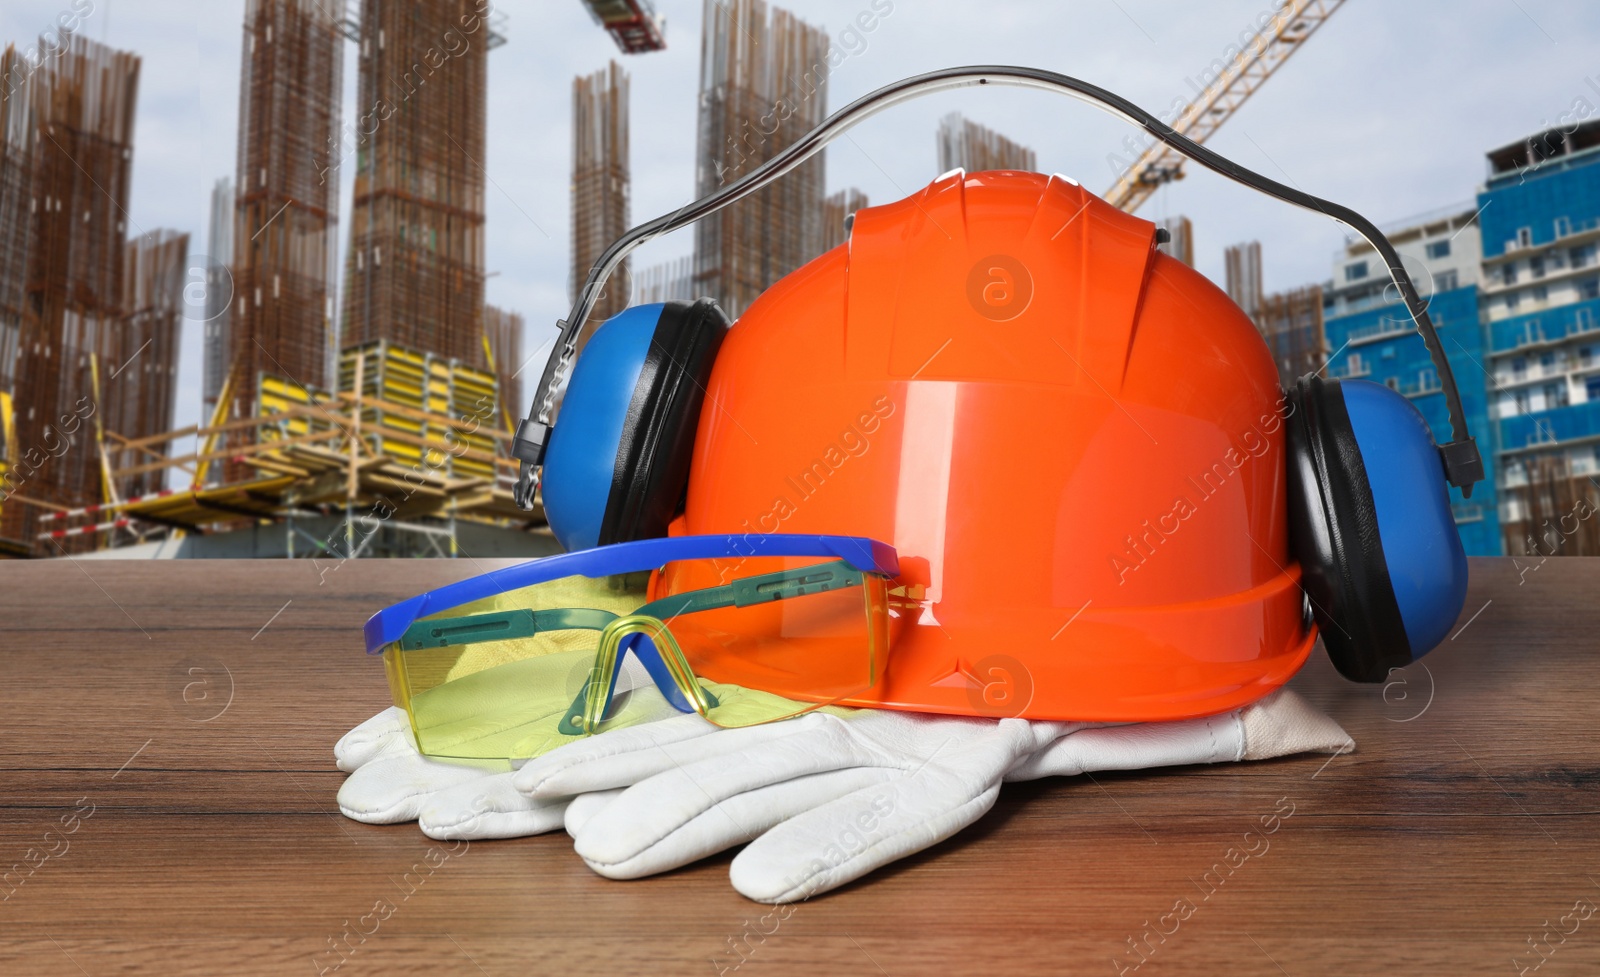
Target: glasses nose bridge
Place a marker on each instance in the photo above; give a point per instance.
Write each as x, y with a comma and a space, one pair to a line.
667, 657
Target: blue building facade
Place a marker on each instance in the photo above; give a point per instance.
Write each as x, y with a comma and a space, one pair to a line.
1372, 337
1540, 219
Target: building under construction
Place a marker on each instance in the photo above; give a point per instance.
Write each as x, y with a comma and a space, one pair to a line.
69, 148
964, 144
763, 85
600, 182
414, 274
285, 231
1179, 238
1290, 322
502, 333
142, 357
217, 339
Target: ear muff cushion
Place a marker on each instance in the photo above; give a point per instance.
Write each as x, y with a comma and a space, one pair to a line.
581, 459
1335, 535
1421, 546
651, 473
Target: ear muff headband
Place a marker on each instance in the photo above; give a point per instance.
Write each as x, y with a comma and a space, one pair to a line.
1463, 465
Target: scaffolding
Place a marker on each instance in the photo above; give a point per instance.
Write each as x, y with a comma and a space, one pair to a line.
414, 274
763, 85
408, 445
966, 145
838, 212
600, 182
142, 361
502, 333
80, 108
285, 229
17, 137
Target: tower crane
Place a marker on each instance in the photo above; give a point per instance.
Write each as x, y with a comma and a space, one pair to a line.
1256, 61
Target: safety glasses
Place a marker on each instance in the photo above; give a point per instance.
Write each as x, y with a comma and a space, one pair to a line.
741, 629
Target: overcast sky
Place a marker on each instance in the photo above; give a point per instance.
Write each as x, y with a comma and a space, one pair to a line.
1389, 110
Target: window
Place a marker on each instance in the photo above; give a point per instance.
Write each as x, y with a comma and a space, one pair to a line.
1524, 237
1547, 362
1536, 266
1589, 288
1439, 249
1446, 281
1592, 388
1555, 395
1508, 274
1585, 354
1563, 226
1513, 300
1393, 383
1579, 257
1523, 404
1519, 366
1541, 293
1355, 271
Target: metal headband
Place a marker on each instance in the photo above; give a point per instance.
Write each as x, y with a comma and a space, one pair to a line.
1462, 462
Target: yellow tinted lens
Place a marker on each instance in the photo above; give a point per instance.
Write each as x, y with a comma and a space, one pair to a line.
798, 633
504, 698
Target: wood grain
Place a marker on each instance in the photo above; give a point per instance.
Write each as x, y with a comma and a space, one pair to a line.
1464, 822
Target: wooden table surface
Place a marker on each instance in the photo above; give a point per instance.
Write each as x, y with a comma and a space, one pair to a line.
178, 717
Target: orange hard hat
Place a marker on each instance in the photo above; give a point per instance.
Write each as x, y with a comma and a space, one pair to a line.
1075, 442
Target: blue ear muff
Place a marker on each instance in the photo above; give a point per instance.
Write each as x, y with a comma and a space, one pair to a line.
1370, 524
617, 462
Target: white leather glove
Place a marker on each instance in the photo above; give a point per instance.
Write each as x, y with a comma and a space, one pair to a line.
827, 798
390, 781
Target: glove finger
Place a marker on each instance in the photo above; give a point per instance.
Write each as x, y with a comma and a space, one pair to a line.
1214, 739
633, 755
1283, 723
643, 740
387, 733
392, 789
489, 807
638, 835
842, 840
692, 777
586, 806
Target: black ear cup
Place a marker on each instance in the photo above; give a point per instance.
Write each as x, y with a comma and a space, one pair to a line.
1333, 533
652, 469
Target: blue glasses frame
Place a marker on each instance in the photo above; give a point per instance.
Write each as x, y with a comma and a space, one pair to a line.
858, 552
